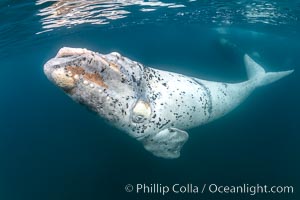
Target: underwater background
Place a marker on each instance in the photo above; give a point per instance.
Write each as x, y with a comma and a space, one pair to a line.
52, 148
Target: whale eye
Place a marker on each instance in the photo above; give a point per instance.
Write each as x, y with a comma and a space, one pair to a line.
138, 119
141, 112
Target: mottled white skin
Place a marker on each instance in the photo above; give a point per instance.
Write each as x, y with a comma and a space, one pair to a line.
189, 102
151, 105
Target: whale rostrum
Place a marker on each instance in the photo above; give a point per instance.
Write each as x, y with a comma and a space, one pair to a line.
153, 106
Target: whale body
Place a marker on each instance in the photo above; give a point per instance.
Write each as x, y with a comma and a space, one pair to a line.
153, 106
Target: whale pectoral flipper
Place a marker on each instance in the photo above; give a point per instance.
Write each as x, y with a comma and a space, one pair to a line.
166, 143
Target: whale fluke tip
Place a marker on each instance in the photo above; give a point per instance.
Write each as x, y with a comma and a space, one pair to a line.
259, 76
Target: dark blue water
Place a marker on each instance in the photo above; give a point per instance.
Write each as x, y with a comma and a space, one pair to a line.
53, 148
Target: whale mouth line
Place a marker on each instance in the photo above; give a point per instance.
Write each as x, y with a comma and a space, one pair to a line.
59, 61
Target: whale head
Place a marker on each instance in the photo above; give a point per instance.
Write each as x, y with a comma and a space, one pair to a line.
107, 84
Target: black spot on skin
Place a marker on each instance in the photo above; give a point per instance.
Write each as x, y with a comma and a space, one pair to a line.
164, 124
171, 130
133, 78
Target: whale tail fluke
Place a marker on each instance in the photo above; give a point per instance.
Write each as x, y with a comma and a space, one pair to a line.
259, 76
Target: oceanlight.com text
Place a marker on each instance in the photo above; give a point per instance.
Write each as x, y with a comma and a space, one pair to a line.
248, 189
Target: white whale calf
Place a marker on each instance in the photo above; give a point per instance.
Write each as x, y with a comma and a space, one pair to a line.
153, 106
